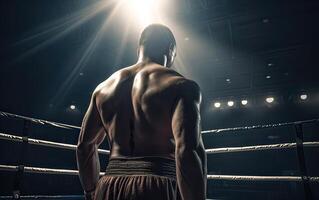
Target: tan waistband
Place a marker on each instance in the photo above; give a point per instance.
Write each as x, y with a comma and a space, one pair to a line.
126, 166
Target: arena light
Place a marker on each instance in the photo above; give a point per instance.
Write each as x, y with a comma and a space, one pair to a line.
303, 96
217, 104
146, 11
230, 103
270, 99
72, 107
244, 102
265, 20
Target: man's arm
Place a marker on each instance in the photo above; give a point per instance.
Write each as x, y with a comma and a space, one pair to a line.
91, 135
190, 155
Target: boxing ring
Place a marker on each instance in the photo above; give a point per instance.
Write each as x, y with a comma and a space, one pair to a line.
299, 145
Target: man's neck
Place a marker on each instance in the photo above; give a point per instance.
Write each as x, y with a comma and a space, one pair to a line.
144, 59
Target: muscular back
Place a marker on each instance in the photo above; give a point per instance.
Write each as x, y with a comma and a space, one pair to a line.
136, 107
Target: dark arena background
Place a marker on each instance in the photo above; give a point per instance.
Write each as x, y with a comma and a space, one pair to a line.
256, 62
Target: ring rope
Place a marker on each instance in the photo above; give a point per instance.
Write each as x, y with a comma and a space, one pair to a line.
46, 197
39, 170
244, 128
44, 142
67, 126
262, 178
259, 147
39, 121
209, 151
63, 197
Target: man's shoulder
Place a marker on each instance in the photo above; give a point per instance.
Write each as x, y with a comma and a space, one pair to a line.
188, 88
114, 78
183, 84
180, 83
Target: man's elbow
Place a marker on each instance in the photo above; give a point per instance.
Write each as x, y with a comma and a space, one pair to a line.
198, 152
185, 149
83, 147
202, 152
79, 148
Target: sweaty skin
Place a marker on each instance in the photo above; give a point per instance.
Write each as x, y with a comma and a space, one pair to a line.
146, 110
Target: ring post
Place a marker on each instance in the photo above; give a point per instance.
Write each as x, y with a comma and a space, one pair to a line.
16, 194
301, 161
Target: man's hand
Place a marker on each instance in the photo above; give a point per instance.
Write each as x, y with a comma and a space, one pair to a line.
89, 195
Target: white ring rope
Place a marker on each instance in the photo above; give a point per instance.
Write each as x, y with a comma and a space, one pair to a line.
67, 126
44, 143
39, 170
262, 178
244, 128
208, 151
45, 197
39, 121
259, 147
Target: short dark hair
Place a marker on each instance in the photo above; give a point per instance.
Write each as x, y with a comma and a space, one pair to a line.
157, 39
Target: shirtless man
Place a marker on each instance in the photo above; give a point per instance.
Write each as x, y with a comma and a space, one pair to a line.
150, 116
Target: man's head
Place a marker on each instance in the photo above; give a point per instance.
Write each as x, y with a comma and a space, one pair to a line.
157, 43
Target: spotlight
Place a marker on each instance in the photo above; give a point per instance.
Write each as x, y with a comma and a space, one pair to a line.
270, 99
265, 20
230, 103
217, 104
244, 102
72, 107
268, 77
303, 96
146, 11
270, 64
